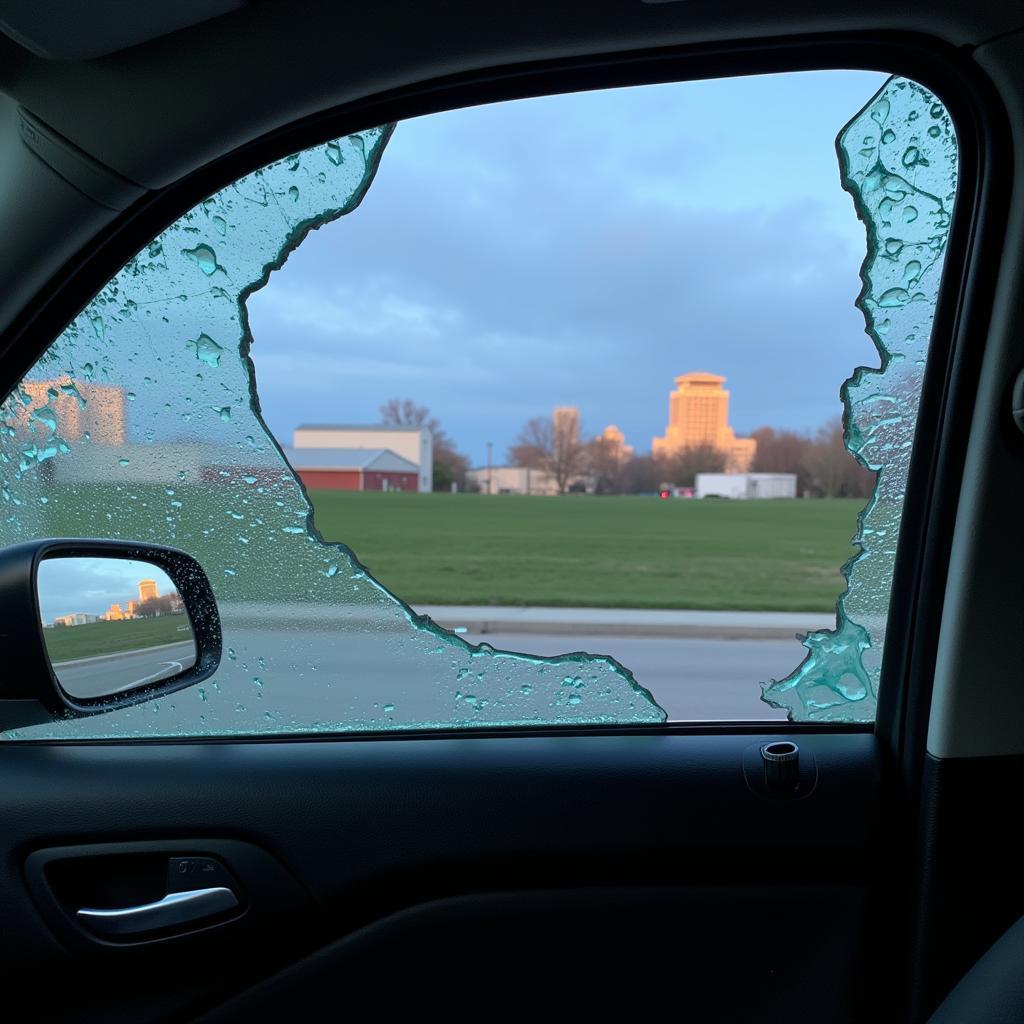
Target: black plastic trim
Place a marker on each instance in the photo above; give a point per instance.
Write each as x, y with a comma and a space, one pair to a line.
496, 732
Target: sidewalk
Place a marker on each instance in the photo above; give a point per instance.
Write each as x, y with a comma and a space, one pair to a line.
483, 619
479, 620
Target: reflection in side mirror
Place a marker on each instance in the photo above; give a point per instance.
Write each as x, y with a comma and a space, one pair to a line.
112, 624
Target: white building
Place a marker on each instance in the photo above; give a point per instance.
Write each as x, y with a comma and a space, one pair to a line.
75, 619
413, 443
745, 485
512, 480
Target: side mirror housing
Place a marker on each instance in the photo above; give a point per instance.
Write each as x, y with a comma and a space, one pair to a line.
89, 626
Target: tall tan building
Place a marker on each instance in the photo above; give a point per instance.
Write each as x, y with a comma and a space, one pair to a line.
79, 408
698, 414
565, 422
147, 590
615, 441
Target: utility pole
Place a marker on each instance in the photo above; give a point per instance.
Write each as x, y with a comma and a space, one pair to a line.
490, 482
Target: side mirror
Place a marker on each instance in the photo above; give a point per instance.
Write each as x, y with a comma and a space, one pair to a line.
89, 626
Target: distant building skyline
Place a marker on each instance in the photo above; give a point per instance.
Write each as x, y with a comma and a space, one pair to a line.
698, 415
78, 408
148, 591
616, 442
565, 425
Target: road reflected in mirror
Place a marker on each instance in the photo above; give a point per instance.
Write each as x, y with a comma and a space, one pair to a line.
112, 624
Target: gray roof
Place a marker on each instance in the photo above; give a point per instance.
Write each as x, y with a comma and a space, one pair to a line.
359, 426
378, 459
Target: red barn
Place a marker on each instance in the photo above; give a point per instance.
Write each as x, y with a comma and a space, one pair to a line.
353, 469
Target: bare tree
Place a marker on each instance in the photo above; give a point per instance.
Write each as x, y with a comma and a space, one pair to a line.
833, 471
642, 474
449, 464
606, 464
682, 467
550, 445
153, 606
782, 451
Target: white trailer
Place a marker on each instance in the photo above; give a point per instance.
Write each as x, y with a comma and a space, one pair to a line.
746, 485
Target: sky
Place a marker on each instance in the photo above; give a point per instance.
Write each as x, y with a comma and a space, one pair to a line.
584, 250
92, 585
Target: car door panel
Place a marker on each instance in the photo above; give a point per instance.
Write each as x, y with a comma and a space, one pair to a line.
650, 859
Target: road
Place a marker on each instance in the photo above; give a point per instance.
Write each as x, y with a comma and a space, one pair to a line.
111, 673
693, 679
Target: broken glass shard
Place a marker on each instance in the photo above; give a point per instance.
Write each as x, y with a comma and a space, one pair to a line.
347, 654
903, 191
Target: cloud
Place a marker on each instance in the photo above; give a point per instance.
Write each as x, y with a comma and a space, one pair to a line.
584, 250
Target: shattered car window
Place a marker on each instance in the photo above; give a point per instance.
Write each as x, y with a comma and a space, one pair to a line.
143, 422
898, 160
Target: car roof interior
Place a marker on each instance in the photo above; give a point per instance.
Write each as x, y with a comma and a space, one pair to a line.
146, 98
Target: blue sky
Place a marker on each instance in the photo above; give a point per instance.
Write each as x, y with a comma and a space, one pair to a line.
583, 250
92, 585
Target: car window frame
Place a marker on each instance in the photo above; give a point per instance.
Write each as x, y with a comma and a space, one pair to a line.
950, 377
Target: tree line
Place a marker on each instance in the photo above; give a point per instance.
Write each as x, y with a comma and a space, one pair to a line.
820, 461
823, 466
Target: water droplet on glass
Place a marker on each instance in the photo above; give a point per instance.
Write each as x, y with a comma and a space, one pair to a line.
231, 654
910, 214
333, 151
389, 708
935, 131
206, 350
293, 194
911, 272
204, 257
123, 462
894, 297
221, 225
888, 136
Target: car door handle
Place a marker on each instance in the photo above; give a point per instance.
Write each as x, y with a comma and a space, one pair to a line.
176, 908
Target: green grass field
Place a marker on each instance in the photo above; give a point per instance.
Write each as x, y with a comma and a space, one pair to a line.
65, 643
582, 550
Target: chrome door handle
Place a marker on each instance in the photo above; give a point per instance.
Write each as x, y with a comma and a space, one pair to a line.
176, 908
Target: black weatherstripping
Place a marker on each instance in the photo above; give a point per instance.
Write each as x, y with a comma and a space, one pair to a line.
374, 828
